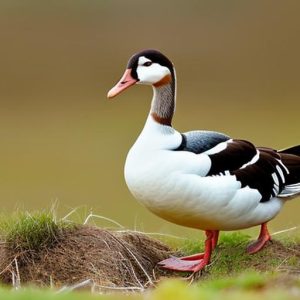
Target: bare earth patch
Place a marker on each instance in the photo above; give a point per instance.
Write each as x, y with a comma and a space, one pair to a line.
109, 259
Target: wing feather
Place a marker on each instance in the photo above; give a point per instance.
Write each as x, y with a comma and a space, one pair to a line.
235, 155
199, 141
272, 173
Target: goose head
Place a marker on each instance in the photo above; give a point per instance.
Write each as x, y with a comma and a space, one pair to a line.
149, 67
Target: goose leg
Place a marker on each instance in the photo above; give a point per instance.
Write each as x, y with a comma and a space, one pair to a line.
196, 262
201, 255
263, 238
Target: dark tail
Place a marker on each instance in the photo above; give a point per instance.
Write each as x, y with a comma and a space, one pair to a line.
293, 150
290, 157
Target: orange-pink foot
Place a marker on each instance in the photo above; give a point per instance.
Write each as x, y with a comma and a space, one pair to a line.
179, 264
263, 238
196, 262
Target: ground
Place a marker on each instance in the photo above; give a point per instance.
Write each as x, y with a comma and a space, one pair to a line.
39, 251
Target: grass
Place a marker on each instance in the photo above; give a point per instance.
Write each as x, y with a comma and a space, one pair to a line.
246, 287
272, 274
25, 232
230, 257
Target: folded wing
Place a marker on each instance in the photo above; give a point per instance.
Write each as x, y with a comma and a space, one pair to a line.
272, 173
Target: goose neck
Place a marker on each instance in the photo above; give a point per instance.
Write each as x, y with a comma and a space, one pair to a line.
163, 102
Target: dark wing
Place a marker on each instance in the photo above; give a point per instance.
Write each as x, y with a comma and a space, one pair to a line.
268, 174
272, 173
258, 168
235, 154
199, 141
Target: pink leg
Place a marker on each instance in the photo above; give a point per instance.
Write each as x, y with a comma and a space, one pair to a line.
201, 255
215, 239
263, 238
196, 262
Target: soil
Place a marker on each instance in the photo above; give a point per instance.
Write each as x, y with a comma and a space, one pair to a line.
107, 258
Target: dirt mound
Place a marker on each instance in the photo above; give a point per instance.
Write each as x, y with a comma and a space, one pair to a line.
107, 258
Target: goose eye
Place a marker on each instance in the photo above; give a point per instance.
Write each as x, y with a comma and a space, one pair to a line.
147, 63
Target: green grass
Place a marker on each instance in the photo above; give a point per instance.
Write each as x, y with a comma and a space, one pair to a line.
230, 257
39, 294
25, 231
234, 274
221, 290
246, 287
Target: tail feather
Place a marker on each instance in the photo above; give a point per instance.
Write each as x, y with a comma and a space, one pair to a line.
290, 190
290, 157
295, 150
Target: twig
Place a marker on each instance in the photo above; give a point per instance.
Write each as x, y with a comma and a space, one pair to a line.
135, 277
18, 279
13, 277
76, 286
285, 230
69, 214
7, 268
91, 215
152, 233
281, 263
134, 257
121, 288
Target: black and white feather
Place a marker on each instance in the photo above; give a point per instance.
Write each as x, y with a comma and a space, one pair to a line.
272, 173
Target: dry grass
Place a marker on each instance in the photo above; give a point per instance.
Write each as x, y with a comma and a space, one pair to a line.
107, 259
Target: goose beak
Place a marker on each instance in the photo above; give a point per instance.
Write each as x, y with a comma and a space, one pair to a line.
125, 82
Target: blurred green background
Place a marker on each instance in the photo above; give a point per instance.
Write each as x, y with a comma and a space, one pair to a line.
238, 71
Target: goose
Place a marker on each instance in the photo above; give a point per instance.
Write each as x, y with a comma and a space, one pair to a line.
201, 179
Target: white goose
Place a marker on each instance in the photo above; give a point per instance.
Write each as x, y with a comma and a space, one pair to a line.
201, 179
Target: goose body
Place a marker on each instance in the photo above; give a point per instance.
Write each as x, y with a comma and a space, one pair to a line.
201, 179
173, 185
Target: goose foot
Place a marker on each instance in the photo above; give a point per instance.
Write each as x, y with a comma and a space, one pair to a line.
181, 265
193, 263
263, 238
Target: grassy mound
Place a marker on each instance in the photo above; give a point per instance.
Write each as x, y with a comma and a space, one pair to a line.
40, 250
26, 233
37, 249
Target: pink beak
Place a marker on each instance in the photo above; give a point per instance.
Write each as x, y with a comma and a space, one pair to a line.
125, 82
